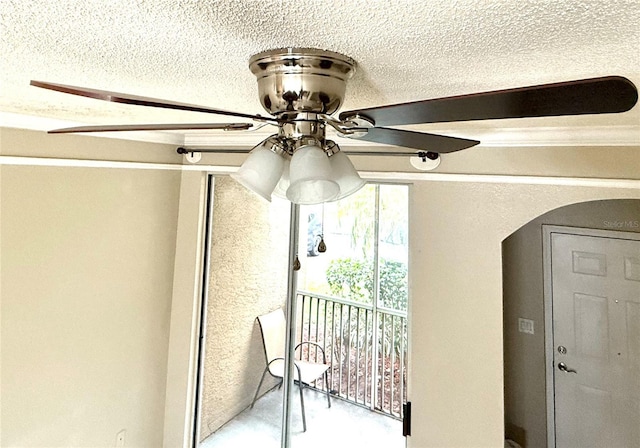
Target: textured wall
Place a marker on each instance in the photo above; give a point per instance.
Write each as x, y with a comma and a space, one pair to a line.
524, 354
248, 277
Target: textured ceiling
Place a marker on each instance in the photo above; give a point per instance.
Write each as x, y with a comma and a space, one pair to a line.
198, 51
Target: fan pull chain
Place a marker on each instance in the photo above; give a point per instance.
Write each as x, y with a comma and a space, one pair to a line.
322, 247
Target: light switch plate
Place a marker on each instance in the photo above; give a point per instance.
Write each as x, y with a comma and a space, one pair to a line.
525, 326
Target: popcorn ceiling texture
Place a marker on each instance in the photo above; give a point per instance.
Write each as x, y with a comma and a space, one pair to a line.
247, 278
198, 51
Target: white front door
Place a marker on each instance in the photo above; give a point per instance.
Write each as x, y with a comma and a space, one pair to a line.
596, 339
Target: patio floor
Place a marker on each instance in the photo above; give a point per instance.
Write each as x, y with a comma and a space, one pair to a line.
343, 425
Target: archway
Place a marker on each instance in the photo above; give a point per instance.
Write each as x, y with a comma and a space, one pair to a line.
525, 385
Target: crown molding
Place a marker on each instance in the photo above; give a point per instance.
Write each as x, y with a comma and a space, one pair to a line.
628, 135
558, 136
596, 182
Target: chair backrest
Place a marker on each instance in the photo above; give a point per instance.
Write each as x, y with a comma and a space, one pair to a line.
274, 329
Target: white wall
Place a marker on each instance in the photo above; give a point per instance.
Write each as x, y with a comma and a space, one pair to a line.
456, 230
86, 272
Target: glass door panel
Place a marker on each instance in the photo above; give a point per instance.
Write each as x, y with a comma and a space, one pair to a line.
247, 278
352, 303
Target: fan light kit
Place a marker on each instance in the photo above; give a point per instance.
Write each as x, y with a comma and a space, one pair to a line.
302, 89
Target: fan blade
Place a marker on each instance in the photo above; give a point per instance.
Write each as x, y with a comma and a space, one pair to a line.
417, 140
609, 94
140, 100
153, 127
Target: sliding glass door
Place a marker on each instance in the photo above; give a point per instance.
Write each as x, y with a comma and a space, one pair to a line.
346, 319
246, 278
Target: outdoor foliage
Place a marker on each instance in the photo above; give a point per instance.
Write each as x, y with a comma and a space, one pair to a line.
353, 279
393, 285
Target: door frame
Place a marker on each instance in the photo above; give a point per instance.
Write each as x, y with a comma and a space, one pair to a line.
201, 329
547, 231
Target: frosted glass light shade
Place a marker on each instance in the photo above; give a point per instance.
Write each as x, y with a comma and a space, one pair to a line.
260, 172
345, 174
311, 177
283, 184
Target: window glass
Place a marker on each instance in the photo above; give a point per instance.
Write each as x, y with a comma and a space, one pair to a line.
393, 247
349, 229
345, 270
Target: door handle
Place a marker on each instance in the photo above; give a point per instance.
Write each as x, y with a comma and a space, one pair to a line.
562, 366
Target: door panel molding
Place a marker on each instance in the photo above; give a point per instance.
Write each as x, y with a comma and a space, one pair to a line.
548, 231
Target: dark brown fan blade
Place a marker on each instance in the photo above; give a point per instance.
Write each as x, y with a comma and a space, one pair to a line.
140, 100
609, 94
417, 140
153, 127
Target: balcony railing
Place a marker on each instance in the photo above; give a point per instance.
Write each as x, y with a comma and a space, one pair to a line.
365, 344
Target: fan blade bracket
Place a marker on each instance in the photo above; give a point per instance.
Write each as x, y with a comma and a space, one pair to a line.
237, 127
353, 127
357, 119
360, 121
353, 132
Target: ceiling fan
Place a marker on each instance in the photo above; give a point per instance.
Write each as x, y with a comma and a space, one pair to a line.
302, 89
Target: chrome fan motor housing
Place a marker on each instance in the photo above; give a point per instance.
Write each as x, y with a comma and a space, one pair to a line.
294, 80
